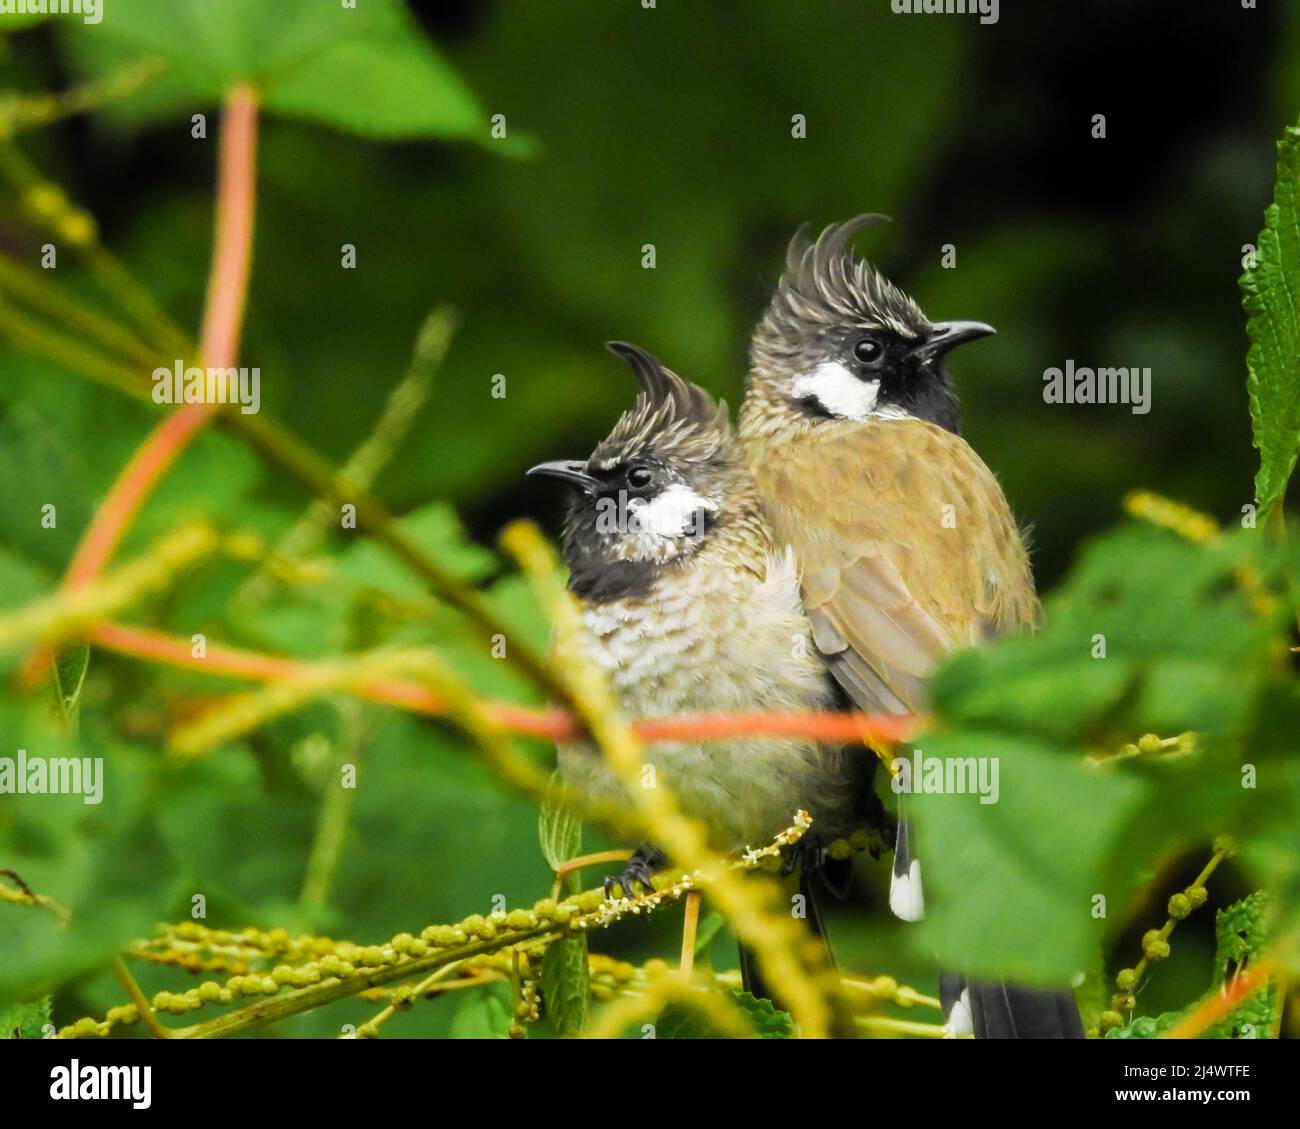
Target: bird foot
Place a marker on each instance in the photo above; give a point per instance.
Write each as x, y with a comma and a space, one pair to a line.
809, 852
640, 868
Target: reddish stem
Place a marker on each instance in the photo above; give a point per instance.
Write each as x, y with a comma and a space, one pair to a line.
232, 252
547, 724
1222, 1004
130, 490
232, 248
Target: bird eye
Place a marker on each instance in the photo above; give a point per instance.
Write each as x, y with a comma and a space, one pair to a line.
868, 350
639, 478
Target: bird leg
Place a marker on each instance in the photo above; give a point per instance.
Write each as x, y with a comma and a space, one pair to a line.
808, 853
641, 867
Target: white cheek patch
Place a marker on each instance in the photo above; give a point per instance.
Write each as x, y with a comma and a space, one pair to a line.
838, 391
671, 513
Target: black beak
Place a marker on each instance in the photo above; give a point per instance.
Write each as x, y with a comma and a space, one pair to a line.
566, 470
947, 335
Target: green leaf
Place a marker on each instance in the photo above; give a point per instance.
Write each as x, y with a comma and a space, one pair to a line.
1183, 646
106, 864
483, 1013
678, 1021
1241, 934
70, 666
409, 91
25, 1020
1149, 634
767, 1019
559, 828
368, 70
1146, 1027
565, 984
1009, 884
1273, 326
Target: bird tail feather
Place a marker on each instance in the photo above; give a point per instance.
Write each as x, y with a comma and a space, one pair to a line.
994, 1009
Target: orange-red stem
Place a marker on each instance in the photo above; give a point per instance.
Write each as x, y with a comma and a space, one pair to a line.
223, 319
1220, 1005
547, 724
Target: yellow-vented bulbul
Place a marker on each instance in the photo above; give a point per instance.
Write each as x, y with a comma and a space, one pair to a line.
904, 541
690, 606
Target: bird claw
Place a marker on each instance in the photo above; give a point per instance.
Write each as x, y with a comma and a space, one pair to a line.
810, 852
636, 870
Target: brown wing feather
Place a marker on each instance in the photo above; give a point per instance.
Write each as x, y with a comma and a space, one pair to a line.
907, 548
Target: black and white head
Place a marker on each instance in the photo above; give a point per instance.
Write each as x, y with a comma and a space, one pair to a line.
840, 341
653, 491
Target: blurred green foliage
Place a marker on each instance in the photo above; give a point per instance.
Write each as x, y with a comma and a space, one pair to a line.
1149, 635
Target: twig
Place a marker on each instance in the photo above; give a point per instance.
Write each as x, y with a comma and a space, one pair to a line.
289, 452
27, 111
690, 924
26, 896
232, 249
546, 724
572, 866
66, 351
55, 618
404, 403
335, 807
36, 291
887, 988
885, 1025
425, 987
227, 290
1155, 943
147, 1017
540, 924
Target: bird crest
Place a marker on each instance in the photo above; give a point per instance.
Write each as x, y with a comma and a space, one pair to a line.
826, 286
671, 417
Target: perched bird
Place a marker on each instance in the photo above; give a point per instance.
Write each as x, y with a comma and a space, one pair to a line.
904, 541
690, 606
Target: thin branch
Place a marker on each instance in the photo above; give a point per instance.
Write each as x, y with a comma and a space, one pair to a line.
72, 225
885, 1025
147, 1017
69, 351
232, 249
1155, 942
287, 451
26, 896
65, 615
536, 927
227, 289
32, 111
544, 724
51, 301
432, 343
227, 295
690, 926
335, 808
